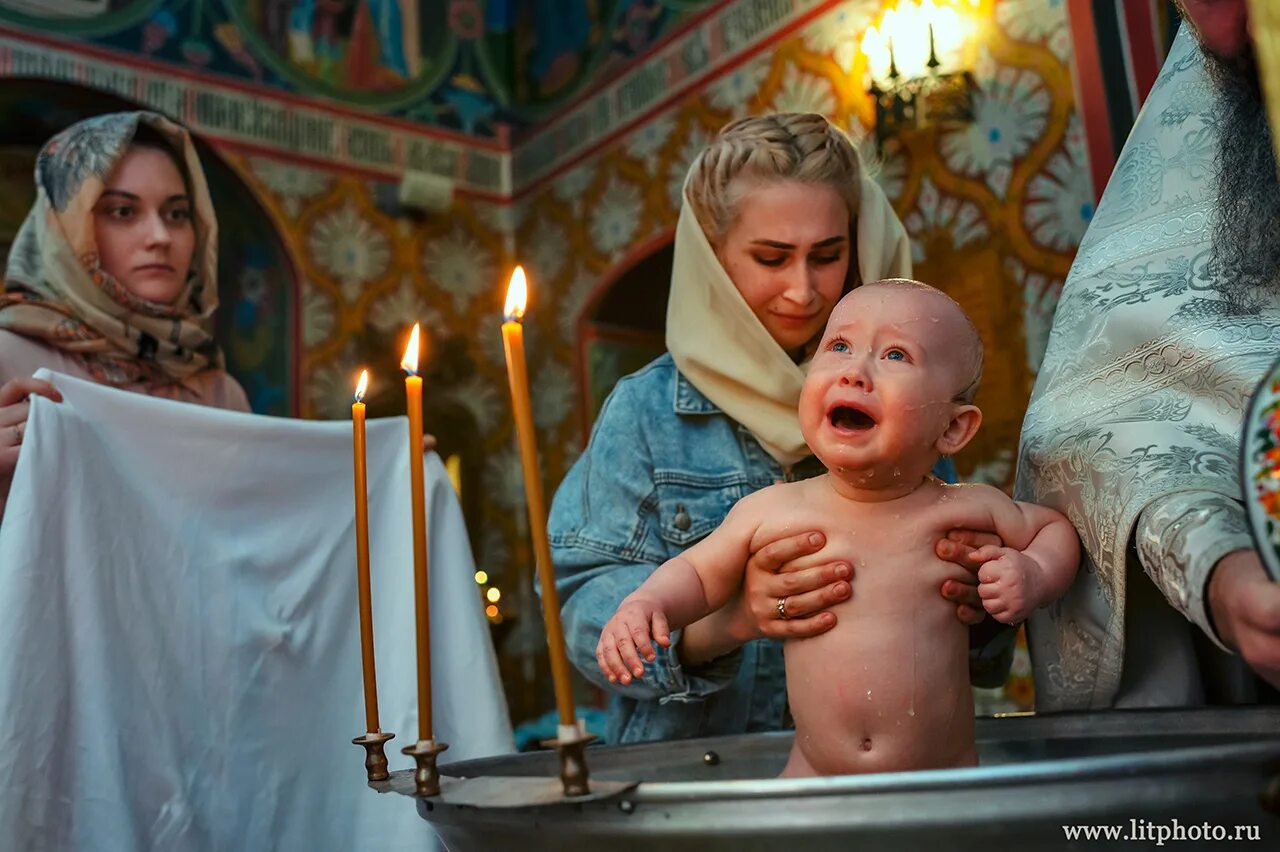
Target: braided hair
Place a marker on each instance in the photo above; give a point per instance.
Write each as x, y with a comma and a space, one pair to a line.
746, 153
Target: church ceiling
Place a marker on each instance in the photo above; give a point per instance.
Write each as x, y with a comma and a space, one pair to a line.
479, 67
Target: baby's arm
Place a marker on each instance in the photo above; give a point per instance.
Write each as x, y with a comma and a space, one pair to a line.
679, 592
1035, 568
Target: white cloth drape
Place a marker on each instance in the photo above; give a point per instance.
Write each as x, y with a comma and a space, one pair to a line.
178, 618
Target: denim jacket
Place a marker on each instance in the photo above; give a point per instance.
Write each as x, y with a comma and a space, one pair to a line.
662, 469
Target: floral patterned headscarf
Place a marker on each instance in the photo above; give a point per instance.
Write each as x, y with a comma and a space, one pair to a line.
56, 290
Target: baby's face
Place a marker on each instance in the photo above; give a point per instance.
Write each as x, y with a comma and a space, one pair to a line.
880, 389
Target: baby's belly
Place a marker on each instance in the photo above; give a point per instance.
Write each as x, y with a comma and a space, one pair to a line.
883, 693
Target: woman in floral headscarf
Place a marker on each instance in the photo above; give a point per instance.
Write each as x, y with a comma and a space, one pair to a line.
113, 275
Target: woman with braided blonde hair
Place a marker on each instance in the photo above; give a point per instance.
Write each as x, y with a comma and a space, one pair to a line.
113, 275
779, 221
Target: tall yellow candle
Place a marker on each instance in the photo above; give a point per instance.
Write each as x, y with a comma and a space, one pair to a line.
517, 375
362, 558
422, 599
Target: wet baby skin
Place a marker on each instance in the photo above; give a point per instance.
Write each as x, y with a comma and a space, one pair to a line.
887, 688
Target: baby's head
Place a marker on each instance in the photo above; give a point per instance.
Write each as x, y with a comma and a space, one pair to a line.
892, 383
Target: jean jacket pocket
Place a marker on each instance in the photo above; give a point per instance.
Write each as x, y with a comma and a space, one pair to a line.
690, 505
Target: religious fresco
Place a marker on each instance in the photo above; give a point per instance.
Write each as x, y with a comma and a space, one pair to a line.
77, 17
560, 47
481, 67
351, 48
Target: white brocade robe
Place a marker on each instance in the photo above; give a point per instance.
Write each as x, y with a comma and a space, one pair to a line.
1134, 426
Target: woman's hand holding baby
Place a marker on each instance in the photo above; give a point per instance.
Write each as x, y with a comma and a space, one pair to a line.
780, 601
630, 635
754, 613
1009, 583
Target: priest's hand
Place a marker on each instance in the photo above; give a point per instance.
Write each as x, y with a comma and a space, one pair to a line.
959, 547
428, 442
1245, 606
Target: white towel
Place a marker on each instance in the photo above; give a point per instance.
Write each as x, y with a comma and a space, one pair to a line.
179, 652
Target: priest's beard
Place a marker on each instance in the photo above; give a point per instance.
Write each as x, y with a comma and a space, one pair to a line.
1246, 247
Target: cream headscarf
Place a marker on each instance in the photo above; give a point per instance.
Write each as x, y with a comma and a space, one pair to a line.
57, 292
720, 346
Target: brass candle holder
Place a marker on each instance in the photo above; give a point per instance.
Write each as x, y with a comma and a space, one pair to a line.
426, 778
375, 758
571, 745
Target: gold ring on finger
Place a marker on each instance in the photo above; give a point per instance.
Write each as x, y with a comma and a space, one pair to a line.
782, 609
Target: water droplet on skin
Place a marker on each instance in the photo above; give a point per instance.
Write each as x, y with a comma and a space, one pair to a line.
868, 695
911, 711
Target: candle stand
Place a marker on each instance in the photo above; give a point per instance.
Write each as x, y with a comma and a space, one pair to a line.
375, 758
571, 746
426, 778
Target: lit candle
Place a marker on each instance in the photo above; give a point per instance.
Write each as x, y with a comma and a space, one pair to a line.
362, 558
513, 344
422, 600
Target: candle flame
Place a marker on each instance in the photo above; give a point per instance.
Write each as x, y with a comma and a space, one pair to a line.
517, 296
409, 363
362, 385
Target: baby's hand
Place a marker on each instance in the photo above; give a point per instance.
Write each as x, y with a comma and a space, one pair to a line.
1008, 583
627, 636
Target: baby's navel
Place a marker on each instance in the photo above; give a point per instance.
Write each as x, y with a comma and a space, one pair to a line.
866, 744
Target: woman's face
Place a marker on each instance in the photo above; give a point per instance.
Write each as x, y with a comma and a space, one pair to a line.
142, 224
788, 254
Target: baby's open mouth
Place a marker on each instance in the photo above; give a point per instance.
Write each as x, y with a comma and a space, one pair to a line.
852, 419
